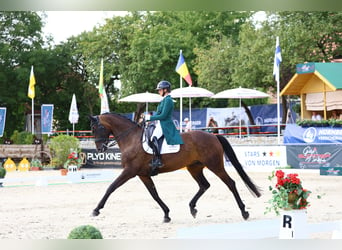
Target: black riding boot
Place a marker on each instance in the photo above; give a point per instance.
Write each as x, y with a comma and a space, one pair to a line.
156, 162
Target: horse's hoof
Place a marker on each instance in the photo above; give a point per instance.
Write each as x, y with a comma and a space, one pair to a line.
167, 219
95, 213
193, 212
245, 215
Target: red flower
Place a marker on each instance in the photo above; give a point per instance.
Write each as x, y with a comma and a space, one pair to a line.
280, 174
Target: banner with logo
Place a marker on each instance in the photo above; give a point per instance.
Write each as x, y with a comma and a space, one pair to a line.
2, 121
46, 118
225, 117
296, 134
109, 159
314, 156
253, 157
198, 117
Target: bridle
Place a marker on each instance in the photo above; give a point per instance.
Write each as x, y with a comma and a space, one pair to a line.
107, 142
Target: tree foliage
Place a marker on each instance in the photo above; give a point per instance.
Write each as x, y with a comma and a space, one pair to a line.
222, 50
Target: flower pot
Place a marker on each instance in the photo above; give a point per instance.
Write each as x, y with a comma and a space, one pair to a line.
292, 197
64, 171
34, 168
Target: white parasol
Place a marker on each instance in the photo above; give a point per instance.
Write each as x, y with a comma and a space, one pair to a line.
142, 97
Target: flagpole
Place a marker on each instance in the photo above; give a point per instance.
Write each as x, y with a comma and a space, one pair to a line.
278, 98
181, 102
181, 107
32, 116
278, 111
276, 73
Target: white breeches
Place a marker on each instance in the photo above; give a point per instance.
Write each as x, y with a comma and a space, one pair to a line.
158, 132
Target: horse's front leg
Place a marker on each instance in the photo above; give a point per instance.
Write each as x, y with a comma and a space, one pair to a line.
153, 191
121, 179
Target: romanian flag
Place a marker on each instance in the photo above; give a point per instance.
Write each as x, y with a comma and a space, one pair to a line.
31, 92
182, 69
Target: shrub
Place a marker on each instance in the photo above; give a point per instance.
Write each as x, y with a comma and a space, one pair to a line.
85, 232
61, 146
22, 137
2, 172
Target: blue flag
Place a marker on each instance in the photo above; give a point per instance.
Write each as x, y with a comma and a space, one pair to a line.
46, 118
277, 61
2, 121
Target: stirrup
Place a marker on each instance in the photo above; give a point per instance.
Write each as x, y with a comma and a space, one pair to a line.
156, 163
154, 171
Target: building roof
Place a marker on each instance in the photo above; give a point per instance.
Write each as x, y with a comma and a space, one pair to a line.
314, 78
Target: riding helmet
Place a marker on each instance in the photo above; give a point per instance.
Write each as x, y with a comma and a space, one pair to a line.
164, 85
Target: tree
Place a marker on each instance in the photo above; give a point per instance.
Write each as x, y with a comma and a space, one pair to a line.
304, 36
20, 34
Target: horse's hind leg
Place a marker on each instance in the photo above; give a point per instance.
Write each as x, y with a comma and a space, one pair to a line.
148, 182
223, 175
196, 172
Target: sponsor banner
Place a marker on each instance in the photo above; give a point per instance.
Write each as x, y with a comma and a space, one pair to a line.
2, 121
227, 117
333, 171
249, 156
261, 156
315, 135
109, 158
46, 118
198, 118
314, 156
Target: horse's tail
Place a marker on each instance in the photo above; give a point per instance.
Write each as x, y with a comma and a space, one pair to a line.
229, 152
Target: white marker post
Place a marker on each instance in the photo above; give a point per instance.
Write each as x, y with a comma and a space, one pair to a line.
293, 224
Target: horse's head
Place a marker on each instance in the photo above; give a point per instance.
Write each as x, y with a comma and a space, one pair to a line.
100, 132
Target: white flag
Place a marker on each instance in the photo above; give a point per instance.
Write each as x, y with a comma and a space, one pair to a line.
73, 114
102, 92
104, 102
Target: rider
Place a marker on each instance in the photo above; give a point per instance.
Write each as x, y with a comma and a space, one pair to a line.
164, 125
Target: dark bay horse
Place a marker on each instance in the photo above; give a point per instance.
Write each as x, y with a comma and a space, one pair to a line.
200, 149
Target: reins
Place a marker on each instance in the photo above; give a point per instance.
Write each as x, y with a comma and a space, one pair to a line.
124, 133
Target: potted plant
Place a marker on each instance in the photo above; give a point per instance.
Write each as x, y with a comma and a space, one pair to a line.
2, 174
335, 123
61, 146
288, 193
73, 162
305, 123
36, 165
322, 123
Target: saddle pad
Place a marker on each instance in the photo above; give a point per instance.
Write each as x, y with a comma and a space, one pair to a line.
165, 149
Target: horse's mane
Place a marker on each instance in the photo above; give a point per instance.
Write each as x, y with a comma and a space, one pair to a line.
107, 124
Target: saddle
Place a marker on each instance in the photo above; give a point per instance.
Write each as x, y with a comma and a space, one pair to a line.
163, 146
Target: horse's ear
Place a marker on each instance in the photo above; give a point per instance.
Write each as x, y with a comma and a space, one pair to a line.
92, 118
